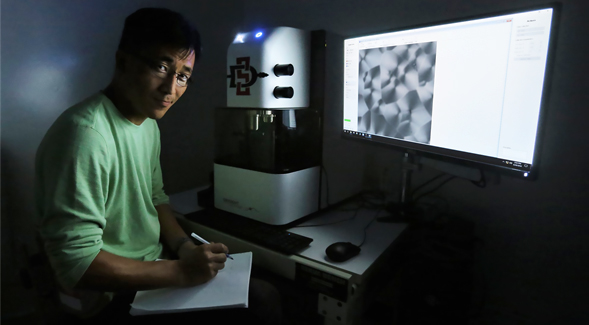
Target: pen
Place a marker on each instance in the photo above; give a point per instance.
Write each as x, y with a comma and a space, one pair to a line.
202, 240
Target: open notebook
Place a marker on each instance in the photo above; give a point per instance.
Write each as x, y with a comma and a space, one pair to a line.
229, 289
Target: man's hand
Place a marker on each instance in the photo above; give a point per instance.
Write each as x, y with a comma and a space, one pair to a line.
199, 264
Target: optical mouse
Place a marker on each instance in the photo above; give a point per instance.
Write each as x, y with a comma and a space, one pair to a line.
341, 252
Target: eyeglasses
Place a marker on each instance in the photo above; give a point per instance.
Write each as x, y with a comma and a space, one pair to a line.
161, 70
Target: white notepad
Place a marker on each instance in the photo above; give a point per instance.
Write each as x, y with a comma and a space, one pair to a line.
229, 289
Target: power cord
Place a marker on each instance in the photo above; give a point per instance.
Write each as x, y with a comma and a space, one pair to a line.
331, 223
434, 189
428, 182
364, 199
481, 183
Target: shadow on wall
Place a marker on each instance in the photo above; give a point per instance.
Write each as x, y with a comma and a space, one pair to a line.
8, 180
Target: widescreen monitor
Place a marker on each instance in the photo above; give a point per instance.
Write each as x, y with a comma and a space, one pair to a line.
471, 90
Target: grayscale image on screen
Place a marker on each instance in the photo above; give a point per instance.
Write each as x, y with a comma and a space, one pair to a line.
395, 91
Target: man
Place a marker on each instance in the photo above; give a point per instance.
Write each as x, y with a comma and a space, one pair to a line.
99, 188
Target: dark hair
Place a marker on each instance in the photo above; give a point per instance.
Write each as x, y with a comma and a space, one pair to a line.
155, 27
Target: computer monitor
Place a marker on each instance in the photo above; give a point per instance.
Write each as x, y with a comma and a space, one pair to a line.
471, 90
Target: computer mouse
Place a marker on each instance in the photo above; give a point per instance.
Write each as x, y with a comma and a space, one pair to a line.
341, 252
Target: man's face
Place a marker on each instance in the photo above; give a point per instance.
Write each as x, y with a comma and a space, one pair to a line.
155, 80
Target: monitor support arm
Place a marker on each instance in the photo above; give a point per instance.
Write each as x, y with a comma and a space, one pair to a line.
404, 210
407, 167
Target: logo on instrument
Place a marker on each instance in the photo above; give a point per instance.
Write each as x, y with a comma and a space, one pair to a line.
243, 76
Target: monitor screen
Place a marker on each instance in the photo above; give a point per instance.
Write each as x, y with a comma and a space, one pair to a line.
470, 90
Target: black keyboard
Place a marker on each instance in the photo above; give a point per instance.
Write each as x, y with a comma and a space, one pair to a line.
272, 237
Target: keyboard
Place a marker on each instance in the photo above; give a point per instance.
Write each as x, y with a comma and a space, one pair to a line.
272, 237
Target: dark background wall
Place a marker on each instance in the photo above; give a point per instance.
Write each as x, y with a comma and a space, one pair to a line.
534, 261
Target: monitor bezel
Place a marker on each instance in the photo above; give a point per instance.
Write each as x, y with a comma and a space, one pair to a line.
464, 158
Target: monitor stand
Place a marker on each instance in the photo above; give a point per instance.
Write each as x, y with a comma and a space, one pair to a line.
405, 210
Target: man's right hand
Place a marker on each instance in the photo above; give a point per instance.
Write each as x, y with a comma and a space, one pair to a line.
199, 264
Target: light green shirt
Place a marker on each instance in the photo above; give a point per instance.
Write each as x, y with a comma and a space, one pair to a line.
98, 180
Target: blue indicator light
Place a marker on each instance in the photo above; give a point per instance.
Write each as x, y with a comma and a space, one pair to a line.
259, 34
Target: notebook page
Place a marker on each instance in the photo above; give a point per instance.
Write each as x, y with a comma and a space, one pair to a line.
229, 289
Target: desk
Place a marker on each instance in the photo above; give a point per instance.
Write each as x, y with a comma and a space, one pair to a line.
342, 286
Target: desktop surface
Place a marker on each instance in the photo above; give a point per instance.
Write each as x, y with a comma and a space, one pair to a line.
339, 224
354, 226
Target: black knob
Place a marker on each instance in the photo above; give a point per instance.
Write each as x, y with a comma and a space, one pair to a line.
283, 70
283, 92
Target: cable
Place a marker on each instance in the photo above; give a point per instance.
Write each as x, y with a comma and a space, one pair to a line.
435, 188
368, 225
413, 193
332, 223
364, 202
366, 197
482, 183
427, 182
441, 210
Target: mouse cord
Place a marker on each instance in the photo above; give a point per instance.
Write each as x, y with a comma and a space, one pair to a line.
368, 225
